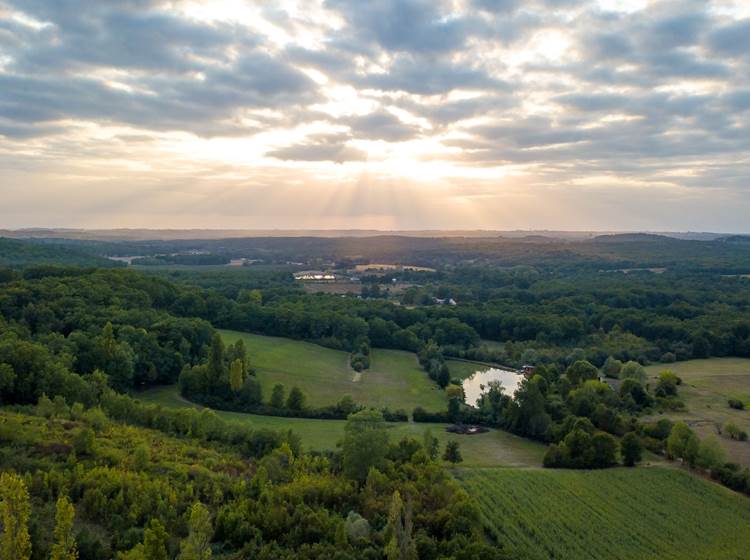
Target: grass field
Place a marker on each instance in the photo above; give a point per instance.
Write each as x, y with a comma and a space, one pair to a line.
489, 449
394, 379
617, 514
707, 385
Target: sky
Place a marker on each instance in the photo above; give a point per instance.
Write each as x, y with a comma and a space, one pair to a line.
376, 114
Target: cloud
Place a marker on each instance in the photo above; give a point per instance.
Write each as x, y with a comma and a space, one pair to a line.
732, 39
419, 26
322, 147
381, 125
542, 92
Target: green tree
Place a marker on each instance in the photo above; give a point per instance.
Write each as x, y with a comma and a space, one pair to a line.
141, 457
15, 509
603, 451
236, 375
197, 545
452, 452
430, 444
45, 407
216, 369
400, 544
612, 367
365, 443
633, 370
7, 380
710, 453
296, 400
84, 441
277, 396
155, 541
64, 547
581, 371
682, 443
631, 449
667, 384
454, 410
114, 358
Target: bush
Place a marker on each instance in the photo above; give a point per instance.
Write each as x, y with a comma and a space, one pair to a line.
419, 414
631, 449
732, 431
736, 404
668, 358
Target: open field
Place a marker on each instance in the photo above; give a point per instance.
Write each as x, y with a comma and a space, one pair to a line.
394, 379
706, 387
494, 448
332, 287
617, 514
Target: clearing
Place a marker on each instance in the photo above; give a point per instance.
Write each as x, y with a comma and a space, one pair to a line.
494, 448
706, 387
394, 379
622, 514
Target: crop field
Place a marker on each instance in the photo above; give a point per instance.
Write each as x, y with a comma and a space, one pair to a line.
394, 379
617, 514
707, 385
494, 448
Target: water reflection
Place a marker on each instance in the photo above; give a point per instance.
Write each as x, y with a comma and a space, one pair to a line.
478, 383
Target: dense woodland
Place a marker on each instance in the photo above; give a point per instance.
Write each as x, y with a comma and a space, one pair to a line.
77, 344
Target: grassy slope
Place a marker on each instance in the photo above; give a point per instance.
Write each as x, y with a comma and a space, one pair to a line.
707, 385
490, 449
394, 379
618, 514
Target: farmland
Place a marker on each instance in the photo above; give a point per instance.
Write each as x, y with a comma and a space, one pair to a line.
493, 448
394, 379
618, 514
707, 386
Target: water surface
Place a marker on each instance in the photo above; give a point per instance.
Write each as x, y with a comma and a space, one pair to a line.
478, 383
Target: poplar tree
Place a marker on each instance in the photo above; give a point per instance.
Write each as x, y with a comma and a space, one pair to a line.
65, 543
400, 544
197, 544
15, 509
155, 541
236, 375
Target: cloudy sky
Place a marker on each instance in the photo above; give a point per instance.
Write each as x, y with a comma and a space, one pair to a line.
390, 114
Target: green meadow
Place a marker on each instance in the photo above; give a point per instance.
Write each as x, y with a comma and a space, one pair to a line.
493, 448
394, 379
706, 387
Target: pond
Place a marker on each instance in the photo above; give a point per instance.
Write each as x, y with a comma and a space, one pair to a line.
478, 383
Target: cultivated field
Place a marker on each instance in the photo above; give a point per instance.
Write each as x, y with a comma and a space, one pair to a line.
394, 379
706, 387
489, 449
617, 514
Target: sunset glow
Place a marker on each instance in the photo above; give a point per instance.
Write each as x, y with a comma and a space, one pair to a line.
384, 114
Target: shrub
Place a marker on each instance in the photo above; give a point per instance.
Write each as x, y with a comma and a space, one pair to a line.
736, 404
732, 431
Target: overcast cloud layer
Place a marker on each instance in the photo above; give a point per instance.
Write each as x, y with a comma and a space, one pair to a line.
560, 114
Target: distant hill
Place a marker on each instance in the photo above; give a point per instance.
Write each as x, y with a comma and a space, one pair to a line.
23, 254
631, 238
736, 239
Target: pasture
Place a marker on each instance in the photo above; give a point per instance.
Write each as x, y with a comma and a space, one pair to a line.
494, 448
618, 514
394, 379
706, 387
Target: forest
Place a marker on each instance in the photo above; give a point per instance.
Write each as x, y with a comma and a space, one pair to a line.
91, 472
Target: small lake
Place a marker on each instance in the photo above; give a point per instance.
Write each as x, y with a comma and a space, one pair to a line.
478, 383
